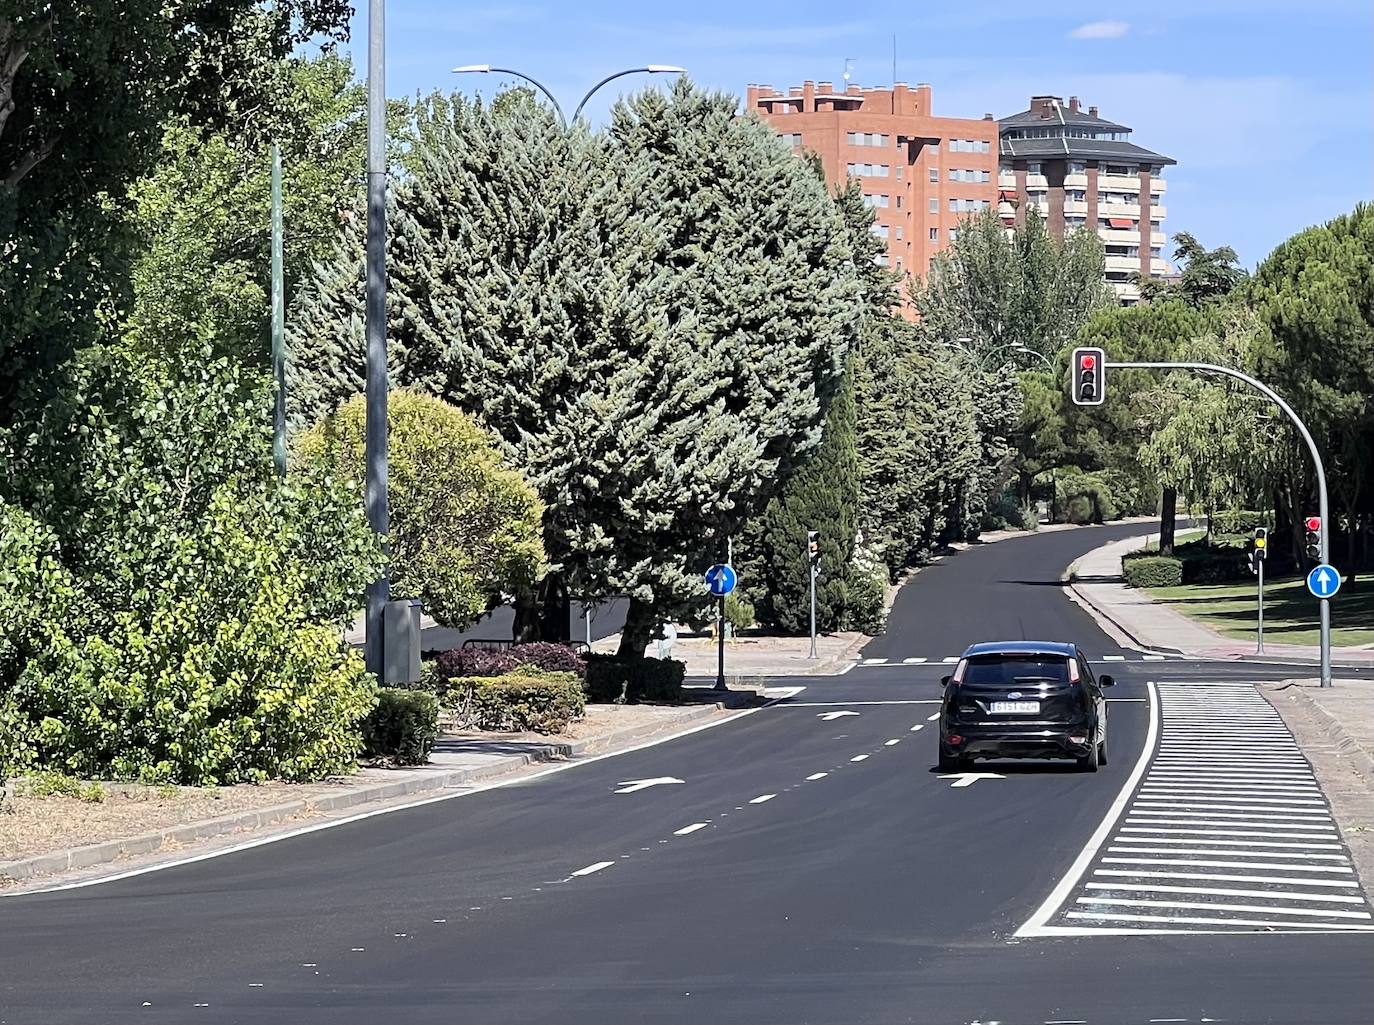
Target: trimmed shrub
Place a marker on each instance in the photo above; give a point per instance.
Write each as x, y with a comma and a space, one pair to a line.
1153, 571
543, 704
1216, 563
613, 679
458, 662
548, 657
403, 726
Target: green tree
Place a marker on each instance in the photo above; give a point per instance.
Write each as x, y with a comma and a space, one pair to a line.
1208, 275
821, 494
653, 321
85, 91
176, 610
464, 527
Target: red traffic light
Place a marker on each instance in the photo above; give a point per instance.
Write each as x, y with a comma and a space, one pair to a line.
1088, 361
1314, 523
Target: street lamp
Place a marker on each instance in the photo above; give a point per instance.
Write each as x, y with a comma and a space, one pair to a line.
647, 69
1023, 347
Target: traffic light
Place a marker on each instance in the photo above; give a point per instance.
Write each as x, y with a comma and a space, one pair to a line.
1314, 538
1089, 382
1261, 543
813, 549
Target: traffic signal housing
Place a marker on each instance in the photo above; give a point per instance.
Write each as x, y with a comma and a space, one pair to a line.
813, 549
1089, 384
1314, 538
1261, 543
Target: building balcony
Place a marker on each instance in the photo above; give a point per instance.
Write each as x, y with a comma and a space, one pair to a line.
1118, 237
1118, 183
1076, 181
1131, 210
1129, 264
1158, 213
1076, 206
1006, 180
1158, 185
1126, 291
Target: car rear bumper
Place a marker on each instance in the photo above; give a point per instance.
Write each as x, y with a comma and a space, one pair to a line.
1046, 742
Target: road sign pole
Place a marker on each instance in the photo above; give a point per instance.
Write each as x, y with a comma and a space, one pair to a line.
1212, 368
1259, 647
813, 612
720, 650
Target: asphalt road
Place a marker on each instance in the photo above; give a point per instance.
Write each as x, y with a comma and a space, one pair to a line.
811, 867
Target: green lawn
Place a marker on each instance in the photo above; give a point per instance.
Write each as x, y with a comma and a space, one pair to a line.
1181, 537
1290, 612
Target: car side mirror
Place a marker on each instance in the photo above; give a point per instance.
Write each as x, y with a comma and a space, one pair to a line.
1106, 680
944, 681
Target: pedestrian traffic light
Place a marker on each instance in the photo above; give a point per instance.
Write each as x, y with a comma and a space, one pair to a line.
1261, 543
1314, 538
813, 548
1089, 377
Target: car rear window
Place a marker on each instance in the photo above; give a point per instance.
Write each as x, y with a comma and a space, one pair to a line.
1017, 669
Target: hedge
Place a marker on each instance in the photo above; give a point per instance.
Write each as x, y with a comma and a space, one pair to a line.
1241, 521
545, 657
403, 726
1153, 571
473, 662
542, 704
611, 678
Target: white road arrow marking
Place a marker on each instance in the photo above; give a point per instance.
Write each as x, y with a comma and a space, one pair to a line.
967, 779
829, 716
629, 786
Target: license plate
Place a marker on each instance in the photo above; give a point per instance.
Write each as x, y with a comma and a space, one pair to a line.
1016, 707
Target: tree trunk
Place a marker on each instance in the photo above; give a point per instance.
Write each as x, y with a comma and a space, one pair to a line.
1168, 513
640, 624
554, 610
527, 614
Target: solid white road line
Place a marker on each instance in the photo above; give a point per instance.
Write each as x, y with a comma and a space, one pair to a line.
859, 704
1197, 905
1079, 868
1101, 916
1218, 877
1229, 854
1196, 841
592, 868
817, 775
1309, 834
1217, 863
1291, 818
690, 829
1319, 826
1329, 898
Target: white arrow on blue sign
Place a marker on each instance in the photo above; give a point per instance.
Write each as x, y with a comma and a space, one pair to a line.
720, 578
1323, 581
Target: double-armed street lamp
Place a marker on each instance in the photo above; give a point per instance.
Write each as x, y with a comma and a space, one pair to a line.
647, 69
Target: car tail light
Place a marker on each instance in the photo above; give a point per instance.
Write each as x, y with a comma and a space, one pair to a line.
958, 675
1078, 740
1073, 670
954, 738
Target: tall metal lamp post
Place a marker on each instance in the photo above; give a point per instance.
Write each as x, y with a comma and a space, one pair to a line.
379, 591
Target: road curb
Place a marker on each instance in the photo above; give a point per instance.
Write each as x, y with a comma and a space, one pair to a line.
106, 852
1105, 618
1329, 725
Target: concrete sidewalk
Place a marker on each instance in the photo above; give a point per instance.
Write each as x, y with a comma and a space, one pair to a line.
1132, 615
1335, 728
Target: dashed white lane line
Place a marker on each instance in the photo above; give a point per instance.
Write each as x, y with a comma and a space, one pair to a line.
932, 718
817, 775
914, 661
597, 867
875, 661
763, 798
858, 758
890, 743
1113, 658
950, 659
1154, 658
690, 829
917, 728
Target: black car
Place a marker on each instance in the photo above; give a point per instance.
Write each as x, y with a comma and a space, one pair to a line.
1023, 699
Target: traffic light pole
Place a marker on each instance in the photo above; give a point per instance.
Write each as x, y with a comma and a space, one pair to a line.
1259, 642
813, 611
1212, 368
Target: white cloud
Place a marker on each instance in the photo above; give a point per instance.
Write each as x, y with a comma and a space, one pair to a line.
1101, 30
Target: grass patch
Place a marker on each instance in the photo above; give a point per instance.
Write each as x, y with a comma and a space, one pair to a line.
1290, 612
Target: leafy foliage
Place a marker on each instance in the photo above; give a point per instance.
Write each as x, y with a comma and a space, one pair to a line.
1153, 571
538, 704
621, 679
403, 726
464, 527
225, 665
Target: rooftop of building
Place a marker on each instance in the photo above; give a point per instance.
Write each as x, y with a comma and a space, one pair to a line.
1067, 130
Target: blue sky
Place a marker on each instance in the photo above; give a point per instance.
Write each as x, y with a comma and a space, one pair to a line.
1267, 105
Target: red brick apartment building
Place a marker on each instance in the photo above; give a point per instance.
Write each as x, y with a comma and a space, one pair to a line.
920, 173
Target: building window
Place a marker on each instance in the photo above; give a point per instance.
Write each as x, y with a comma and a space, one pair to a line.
899, 233
869, 170
792, 139
866, 139
899, 202
934, 175
872, 201
1075, 222
1155, 198
1033, 168
935, 234
1075, 195
985, 176
934, 205
953, 234
1077, 167
880, 230
954, 205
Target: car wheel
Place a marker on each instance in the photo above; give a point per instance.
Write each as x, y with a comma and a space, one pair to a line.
1090, 761
950, 763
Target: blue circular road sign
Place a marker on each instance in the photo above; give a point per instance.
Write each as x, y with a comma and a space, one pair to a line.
1324, 581
720, 578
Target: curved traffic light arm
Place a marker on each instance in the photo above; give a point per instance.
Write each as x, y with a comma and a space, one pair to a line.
1260, 386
